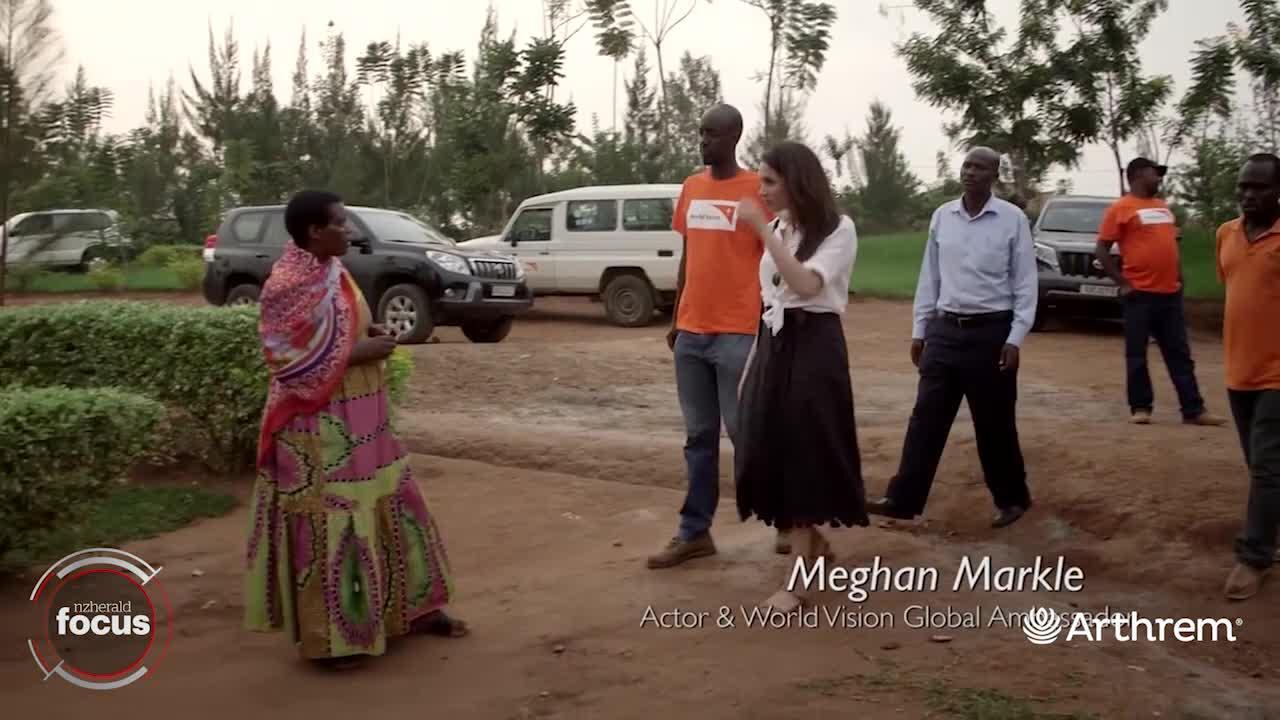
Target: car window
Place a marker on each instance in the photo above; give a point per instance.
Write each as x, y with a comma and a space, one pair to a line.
247, 227
389, 226
532, 225
647, 214
592, 216
277, 234
1073, 217
34, 225
81, 222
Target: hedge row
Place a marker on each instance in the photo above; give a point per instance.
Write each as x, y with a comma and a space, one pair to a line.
204, 363
60, 451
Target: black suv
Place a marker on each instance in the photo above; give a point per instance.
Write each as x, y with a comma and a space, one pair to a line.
414, 278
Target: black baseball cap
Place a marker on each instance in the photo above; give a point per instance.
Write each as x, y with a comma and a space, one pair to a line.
1142, 163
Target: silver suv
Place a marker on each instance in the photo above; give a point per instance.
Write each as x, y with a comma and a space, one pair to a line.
1072, 280
64, 238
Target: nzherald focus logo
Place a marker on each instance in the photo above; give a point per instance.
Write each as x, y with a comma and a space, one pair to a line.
106, 619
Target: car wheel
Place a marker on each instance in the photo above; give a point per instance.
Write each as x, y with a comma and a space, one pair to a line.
406, 311
628, 301
490, 331
242, 295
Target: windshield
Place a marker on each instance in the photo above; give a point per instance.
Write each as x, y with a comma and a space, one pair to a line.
1073, 217
399, 227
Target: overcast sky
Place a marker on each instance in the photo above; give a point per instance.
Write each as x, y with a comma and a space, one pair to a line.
129, 44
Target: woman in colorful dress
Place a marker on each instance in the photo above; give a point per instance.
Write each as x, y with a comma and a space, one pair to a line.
342, 554
797, 466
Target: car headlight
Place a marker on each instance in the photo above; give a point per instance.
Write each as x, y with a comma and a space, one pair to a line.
1047, 255
450, 262
519, 269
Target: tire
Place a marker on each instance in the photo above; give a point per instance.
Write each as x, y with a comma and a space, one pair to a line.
246, 294
628, 301
405, 310
492, 331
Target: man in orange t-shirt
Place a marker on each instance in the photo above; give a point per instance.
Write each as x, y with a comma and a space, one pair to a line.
717, 313
1249, 265
1151, 287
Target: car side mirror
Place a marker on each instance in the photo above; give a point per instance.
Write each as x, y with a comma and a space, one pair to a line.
366, 247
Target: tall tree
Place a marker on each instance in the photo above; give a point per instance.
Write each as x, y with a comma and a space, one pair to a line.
615, 37
1014, 99
667, 16
30, 51
802, 30
1106, 68
890, 185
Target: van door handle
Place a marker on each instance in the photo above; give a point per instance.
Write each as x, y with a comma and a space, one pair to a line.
665, 253
262, 256
545, 252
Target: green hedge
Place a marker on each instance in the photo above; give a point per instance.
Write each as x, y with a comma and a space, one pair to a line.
159, 256
205, 363
61, 449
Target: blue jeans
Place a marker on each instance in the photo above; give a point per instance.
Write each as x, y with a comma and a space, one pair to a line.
1148, 315
708, 369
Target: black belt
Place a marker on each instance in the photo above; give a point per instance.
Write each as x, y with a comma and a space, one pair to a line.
975, 320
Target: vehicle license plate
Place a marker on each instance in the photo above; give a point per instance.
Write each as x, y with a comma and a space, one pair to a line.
504, 290
1100, 290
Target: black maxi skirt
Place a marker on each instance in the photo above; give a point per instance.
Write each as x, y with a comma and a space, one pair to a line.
797, 462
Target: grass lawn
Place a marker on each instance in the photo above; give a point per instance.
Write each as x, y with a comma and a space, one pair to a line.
135, 278
128, 513
888, 265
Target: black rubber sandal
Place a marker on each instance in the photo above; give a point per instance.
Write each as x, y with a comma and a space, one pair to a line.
440, 624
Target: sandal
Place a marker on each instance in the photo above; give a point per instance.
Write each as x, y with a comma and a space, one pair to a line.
439, 623
338, 664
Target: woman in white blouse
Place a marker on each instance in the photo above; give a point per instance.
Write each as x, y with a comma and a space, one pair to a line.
797, 465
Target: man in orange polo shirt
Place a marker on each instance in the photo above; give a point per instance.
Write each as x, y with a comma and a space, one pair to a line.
1249, 266
718, 309
1151, 287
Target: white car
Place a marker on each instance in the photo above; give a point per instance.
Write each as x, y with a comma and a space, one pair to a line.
611, 242
64, 238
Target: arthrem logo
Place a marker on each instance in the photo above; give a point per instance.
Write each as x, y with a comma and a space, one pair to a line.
1042, 626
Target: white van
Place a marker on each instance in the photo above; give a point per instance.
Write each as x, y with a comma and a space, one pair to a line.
613, 242
64, 238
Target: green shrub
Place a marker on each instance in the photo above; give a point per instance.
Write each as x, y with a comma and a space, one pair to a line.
205, 363
62, 449
24, 276
160, 256
105, 276
190, 272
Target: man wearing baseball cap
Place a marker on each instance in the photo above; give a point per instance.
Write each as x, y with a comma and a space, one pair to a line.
1150, 283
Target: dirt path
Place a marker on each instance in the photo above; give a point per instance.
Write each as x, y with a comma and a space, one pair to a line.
553, 462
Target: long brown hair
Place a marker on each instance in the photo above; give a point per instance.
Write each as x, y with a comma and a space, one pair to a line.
813, 204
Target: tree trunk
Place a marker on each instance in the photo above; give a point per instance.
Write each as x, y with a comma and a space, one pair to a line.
1115, 150
662, 98
615, 95
768, 84
6, 140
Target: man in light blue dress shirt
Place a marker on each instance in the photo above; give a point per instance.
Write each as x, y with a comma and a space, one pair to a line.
975, 303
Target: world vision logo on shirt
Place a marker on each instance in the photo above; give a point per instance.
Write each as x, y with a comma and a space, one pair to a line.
712, 215
1155, 216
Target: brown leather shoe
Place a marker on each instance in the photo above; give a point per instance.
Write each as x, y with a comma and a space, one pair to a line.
1007, 516
1207, 419
885, 507
1244, 582
678, 551
782, 545
1140, 417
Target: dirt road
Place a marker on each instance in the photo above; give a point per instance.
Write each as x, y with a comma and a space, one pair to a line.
553, 462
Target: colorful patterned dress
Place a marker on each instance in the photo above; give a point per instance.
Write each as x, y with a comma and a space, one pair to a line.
342, 553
